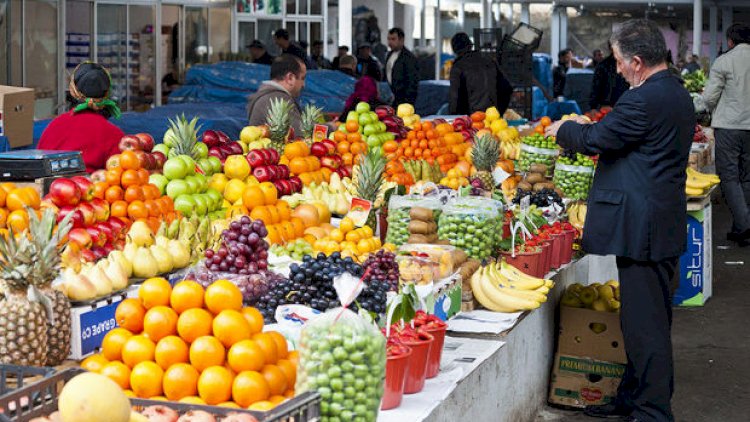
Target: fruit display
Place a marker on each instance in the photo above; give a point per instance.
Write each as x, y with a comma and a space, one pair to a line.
219, 146
574, 173
260, 202
415, 270
278, 122
393, 123
422, 170
342, 357
471, 226
306, 166
406, 113
368, 183
434, 142
598, 297
254, 137
381, 266
265, 167
484, 155
14, 201
243, 249
195, 345
349, 240
454, 179
538, 149
194, 233
326, 152
396, 172
446, 259
94, 281
501, 287
334, 194
296, 249
697, 183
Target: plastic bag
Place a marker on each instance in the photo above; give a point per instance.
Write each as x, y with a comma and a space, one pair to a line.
398, 215
533, 155
342, 357
252, 286
473, 224
575, 181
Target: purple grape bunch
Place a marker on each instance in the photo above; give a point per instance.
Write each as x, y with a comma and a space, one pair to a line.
243, 250
382, 268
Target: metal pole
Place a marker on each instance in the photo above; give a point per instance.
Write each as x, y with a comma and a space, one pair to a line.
438, 41
345, 23
525, 13
713, 23
697, 26
563, 27
555, 34
461, 13
423, 24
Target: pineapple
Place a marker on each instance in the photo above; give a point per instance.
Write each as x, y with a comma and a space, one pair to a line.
278, 121
184, 137
484, 155
368, 180
311, 115
47, 245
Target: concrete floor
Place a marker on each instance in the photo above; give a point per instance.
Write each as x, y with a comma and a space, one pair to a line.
711, 343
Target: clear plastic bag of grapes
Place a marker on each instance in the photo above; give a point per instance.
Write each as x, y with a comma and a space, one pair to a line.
342, 357
399, 208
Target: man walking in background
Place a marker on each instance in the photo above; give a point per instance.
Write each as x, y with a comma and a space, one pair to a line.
401, 69
608, 85
727, 95
560, 71
287, 81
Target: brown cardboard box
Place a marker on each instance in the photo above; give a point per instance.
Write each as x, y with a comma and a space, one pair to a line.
17, 115
579, 381
591, 334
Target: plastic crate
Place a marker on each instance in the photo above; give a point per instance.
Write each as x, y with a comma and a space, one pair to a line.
527, 36
13, 377
488, 39
16, 406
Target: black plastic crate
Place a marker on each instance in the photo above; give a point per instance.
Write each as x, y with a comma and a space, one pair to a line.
40, 399
13, 377
488, 40
527, 36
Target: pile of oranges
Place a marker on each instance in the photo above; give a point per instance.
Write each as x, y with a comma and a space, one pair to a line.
432, 143
13, 203
130, 195
196, 346
349, 142
307, 167
262, 203
349, 240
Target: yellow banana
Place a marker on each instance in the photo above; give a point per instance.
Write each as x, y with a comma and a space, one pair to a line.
478, 292
695, 183
532, 295
714, 179
693, 192
503, 300
506, 285
520, 279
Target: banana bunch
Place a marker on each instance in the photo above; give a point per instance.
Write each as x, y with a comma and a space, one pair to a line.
598, 297
577, 214
698, 183
500, 287
510, 149
198, 234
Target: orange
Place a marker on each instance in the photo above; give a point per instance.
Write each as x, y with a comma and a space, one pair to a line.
281, 344
3, 195
7, 186
277, 399
117, 372
353, 138
129, 160
142, 176
152, 207
346, 225
133, 193
357, 148
215, 385
194, 323
113, 343
343, 146
192, 399
159, 322
206, 351
268, 345
289, 369
137, 209
119, 209
146, 380
352, 126
150, 191
289, 393
180, 381
221, 295
129, 315
19, 198
112, 176
545, 121
94, 363
155, 291
254, 318
129, 178
99, 189
253, 197
250, 387
274, 213
261, 406
137, 349
339, 136
18, 220
298, 225
276, 379
246, 355
261, 213
171, 350
186, 295
113, 193
298, 165
230, 327
293, 357
285, 212
270, 193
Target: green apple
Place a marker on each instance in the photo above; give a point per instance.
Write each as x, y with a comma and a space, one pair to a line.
373, 141
177, 188
185, 204
189, 163
364, 119
215, 164
160, 181
193, 183
161, 148
200, 149
216, 198
362, 107
201, 204
370, 129
352, 115
381, 127
175, 168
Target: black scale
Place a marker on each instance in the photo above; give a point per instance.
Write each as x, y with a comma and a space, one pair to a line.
32, 164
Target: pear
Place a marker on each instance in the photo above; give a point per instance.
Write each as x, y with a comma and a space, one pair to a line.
335, 183
163, 259
116, 275
144, 264
570, 300
129, 252
599, 305
125, 263
100, 280
180, 254
575, 288
588, 295
78, 287
140, 234
162, 241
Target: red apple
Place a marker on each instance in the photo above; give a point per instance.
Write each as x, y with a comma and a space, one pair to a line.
141, 158
267, 157
86, 186
329, 162
159, 159
216, 152
149, 162
87, 255
255, 158
319, 149
97, 236
89, 216
330, 145
235, 148
101, 209
265, 132
76, 221
296, 183
98, 176
105, 228
112, 162
273, 173
129, 143
223, 137
280, 187
99, 252
108, 247
211, 138
287, 186
118, 227
81, 237
64, 192
146, 141
262, 173
284, 171
274, 156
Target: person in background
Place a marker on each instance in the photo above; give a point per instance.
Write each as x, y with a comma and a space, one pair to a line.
692, 65
287, 81
348, 65
366, 59
727, 95
281, 38
365, 89
636, 211
259, 53
85, 127
316, 54
343, 51
169, 83
596, 57
560, 71
401, 69
477, 82
607, 85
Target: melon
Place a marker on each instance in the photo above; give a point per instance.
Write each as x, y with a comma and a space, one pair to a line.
91, 397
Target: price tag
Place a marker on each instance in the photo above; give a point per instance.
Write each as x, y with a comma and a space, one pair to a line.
500, 175
320, 132
525, 203
359, 211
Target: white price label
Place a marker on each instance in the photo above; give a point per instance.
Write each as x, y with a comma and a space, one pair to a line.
500, 175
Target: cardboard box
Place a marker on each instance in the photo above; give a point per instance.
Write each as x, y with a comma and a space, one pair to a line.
17, 115
447, 298
591, 334
696, 266
580, 381
92, 322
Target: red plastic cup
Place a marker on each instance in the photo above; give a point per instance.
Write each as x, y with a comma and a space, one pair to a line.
395, 377
417, 371
436, 350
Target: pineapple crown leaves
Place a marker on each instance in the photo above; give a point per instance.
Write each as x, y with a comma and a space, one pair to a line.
278, 119
311, 115
369, 175
485, 153
186, 134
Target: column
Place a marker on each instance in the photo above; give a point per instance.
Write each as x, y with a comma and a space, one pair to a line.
423, 24
563, 27
345, 24
525, 13
461, 13
485, 14
497, 12
713, 23
438, 41
389, 18
726, 22
555, 35
697, 26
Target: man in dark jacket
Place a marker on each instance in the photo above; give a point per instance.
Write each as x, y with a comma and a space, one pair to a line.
637, 211
477, 82
316, 54
401, 69
281, 38
560, 72
608, 85
287, 81
343, 51
259, 53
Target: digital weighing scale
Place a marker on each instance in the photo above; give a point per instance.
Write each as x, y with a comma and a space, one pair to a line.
32, 164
